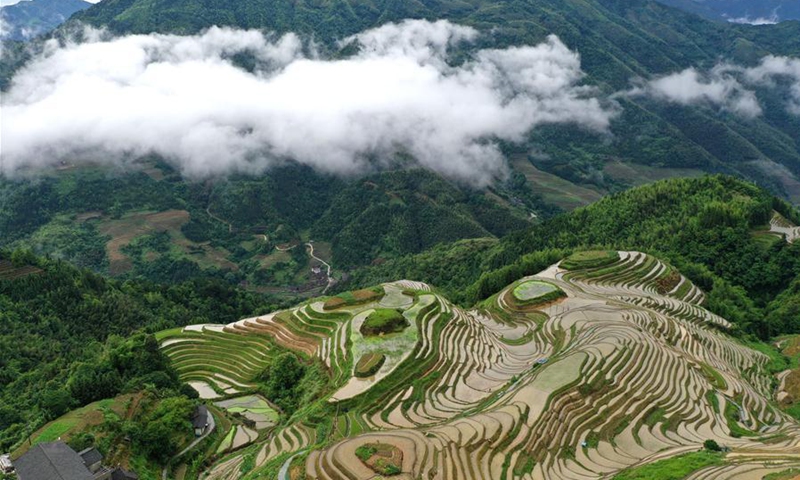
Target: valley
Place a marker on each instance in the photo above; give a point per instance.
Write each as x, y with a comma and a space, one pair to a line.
400, 240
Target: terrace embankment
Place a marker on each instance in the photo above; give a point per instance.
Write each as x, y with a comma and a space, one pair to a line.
624, 367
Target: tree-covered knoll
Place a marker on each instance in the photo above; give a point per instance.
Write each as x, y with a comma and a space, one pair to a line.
706, 227
63, 337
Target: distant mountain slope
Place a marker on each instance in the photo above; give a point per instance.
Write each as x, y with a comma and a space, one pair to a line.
618, 41
30, 18
741, 11
154, 224
714, 228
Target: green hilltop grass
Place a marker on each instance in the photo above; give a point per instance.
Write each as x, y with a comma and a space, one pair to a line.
384, 321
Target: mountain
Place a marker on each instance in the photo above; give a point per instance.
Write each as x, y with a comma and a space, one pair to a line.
603, 364
717, 229
31, 18
67, 335
151, 223
741, 11
629, 361
619, 42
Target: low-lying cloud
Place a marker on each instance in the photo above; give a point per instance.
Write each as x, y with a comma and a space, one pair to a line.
728, 87
185, 98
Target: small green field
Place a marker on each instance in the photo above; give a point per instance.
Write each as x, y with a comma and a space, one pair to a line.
356, 297
590, 259
369, 364
252, 407
384, 321
532, 290
674, 468
76, 421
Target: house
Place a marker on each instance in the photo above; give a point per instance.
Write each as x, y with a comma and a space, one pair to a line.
52, 460
120, 474
92, 459
57, 461
200, 420
5, 464
316, 270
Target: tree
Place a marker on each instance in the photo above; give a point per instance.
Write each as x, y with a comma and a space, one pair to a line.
712, 446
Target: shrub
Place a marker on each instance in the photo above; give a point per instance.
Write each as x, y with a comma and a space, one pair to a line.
712, 446
382, 321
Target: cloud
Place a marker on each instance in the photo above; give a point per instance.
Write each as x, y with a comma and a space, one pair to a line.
772, 68
719, 88
184, 97
771, 20
747, 20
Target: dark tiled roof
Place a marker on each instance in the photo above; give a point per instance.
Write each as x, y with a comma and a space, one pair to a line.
91, 456
200, 417
51, 461
120, 474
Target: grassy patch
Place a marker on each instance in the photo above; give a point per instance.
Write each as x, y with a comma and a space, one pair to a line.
784, 475
674, 468
535, 292
369, 364
590, 259
355, 297
365, 452
383, 321
713, 376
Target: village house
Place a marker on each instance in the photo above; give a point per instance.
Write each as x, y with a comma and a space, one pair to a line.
56, 460
200, 420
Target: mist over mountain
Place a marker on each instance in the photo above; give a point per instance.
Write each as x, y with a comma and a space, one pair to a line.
753, 12
30, 18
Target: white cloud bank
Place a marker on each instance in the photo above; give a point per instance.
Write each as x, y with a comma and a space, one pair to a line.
728, 87
182, 97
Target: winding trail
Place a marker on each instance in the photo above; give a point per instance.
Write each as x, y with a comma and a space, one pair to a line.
208, 211
283, 474
211, 426
310, 245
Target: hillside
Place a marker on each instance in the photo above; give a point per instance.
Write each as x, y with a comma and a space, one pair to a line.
31, 18
618, 42
741, 11
611, 366
67, 336
715, 228
151, 223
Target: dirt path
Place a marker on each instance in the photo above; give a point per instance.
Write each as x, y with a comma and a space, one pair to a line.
310, 245
208, 211
211, 426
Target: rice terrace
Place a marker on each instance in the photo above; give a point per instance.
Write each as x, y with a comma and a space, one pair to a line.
604, 365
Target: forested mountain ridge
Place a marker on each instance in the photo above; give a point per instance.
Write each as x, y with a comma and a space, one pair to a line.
30, 18
63, 330
741, 11
715, 229
150, 223
617, 41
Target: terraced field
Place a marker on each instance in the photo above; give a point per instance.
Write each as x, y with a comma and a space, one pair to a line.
625, 370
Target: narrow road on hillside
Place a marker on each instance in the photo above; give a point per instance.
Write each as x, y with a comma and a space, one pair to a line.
311, 253
208, 211
283, 474
211, 426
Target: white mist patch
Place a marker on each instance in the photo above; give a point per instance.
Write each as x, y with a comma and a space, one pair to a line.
726, 86
718, 87
182, 97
